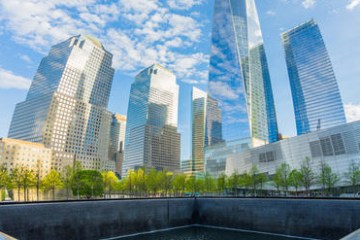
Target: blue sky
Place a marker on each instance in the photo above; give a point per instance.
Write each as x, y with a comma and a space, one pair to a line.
175, 33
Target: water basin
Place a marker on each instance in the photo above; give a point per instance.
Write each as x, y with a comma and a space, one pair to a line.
206, 233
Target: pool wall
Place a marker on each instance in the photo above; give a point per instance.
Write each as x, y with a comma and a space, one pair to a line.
93, 219
321, 219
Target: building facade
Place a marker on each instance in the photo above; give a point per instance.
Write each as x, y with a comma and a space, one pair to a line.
65, 108
338, 147
239, 78
27, 155
206, 127
315, 92
152, 140
117, 141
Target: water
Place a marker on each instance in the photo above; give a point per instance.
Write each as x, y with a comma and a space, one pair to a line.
204, 233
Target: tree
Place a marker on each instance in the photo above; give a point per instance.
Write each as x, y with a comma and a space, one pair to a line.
152, 182
327, 178
209, 184
254, 181
245, 181
68, 176
262, 178
307, 177
52, 181
110, 181
282, 177
179, 184
221, 183
88, 183
191, 185
16, 177
353, 176
234, 182
166, 181
28, 180
129, 182
5, 181
140, 181
295, 179
38, 178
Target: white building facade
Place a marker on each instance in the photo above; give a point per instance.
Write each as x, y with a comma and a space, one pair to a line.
338, 147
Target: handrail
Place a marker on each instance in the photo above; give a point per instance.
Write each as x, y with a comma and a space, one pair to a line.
4, 236
352, 236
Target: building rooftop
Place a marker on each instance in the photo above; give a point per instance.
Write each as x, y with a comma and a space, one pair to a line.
18, 141
94, 40
120, 117
307, 23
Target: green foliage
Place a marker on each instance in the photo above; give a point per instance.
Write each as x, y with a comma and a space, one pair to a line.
152, 182
353, 175
209, 184
295, 179
233, 182
282, 177
327, 178
67, 176
307, 177
52, 181
5, 179
179, 184
88, 183
221, 183
110, 182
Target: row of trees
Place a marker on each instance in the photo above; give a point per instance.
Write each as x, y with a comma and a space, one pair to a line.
306, 177
78, 183
73, 180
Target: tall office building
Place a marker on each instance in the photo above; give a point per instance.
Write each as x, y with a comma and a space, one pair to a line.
152, 140
316, 96
206, 126
117, 141
65, 108
239, 77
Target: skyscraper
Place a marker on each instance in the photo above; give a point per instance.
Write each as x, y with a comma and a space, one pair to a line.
206, 126
117, 141
152, 140
316, 96
65, 108
239, 77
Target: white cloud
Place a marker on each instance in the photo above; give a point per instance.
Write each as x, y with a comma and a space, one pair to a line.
352, 112
223, 90
308, 3
183, 4
26, 58
137, 32
353, 4
9, 80
271, 13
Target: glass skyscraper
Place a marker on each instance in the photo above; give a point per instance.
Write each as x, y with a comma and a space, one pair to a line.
65, 108
239, 78
117, 141
152, 140
206, 126
316, 96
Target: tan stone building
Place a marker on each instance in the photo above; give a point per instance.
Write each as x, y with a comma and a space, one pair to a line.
18, 153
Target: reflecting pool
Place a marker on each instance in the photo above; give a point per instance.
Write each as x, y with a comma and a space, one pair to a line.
205, 233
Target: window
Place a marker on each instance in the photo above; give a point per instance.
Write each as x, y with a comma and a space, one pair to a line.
338, 144
267, 157
315, 149
326, 147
